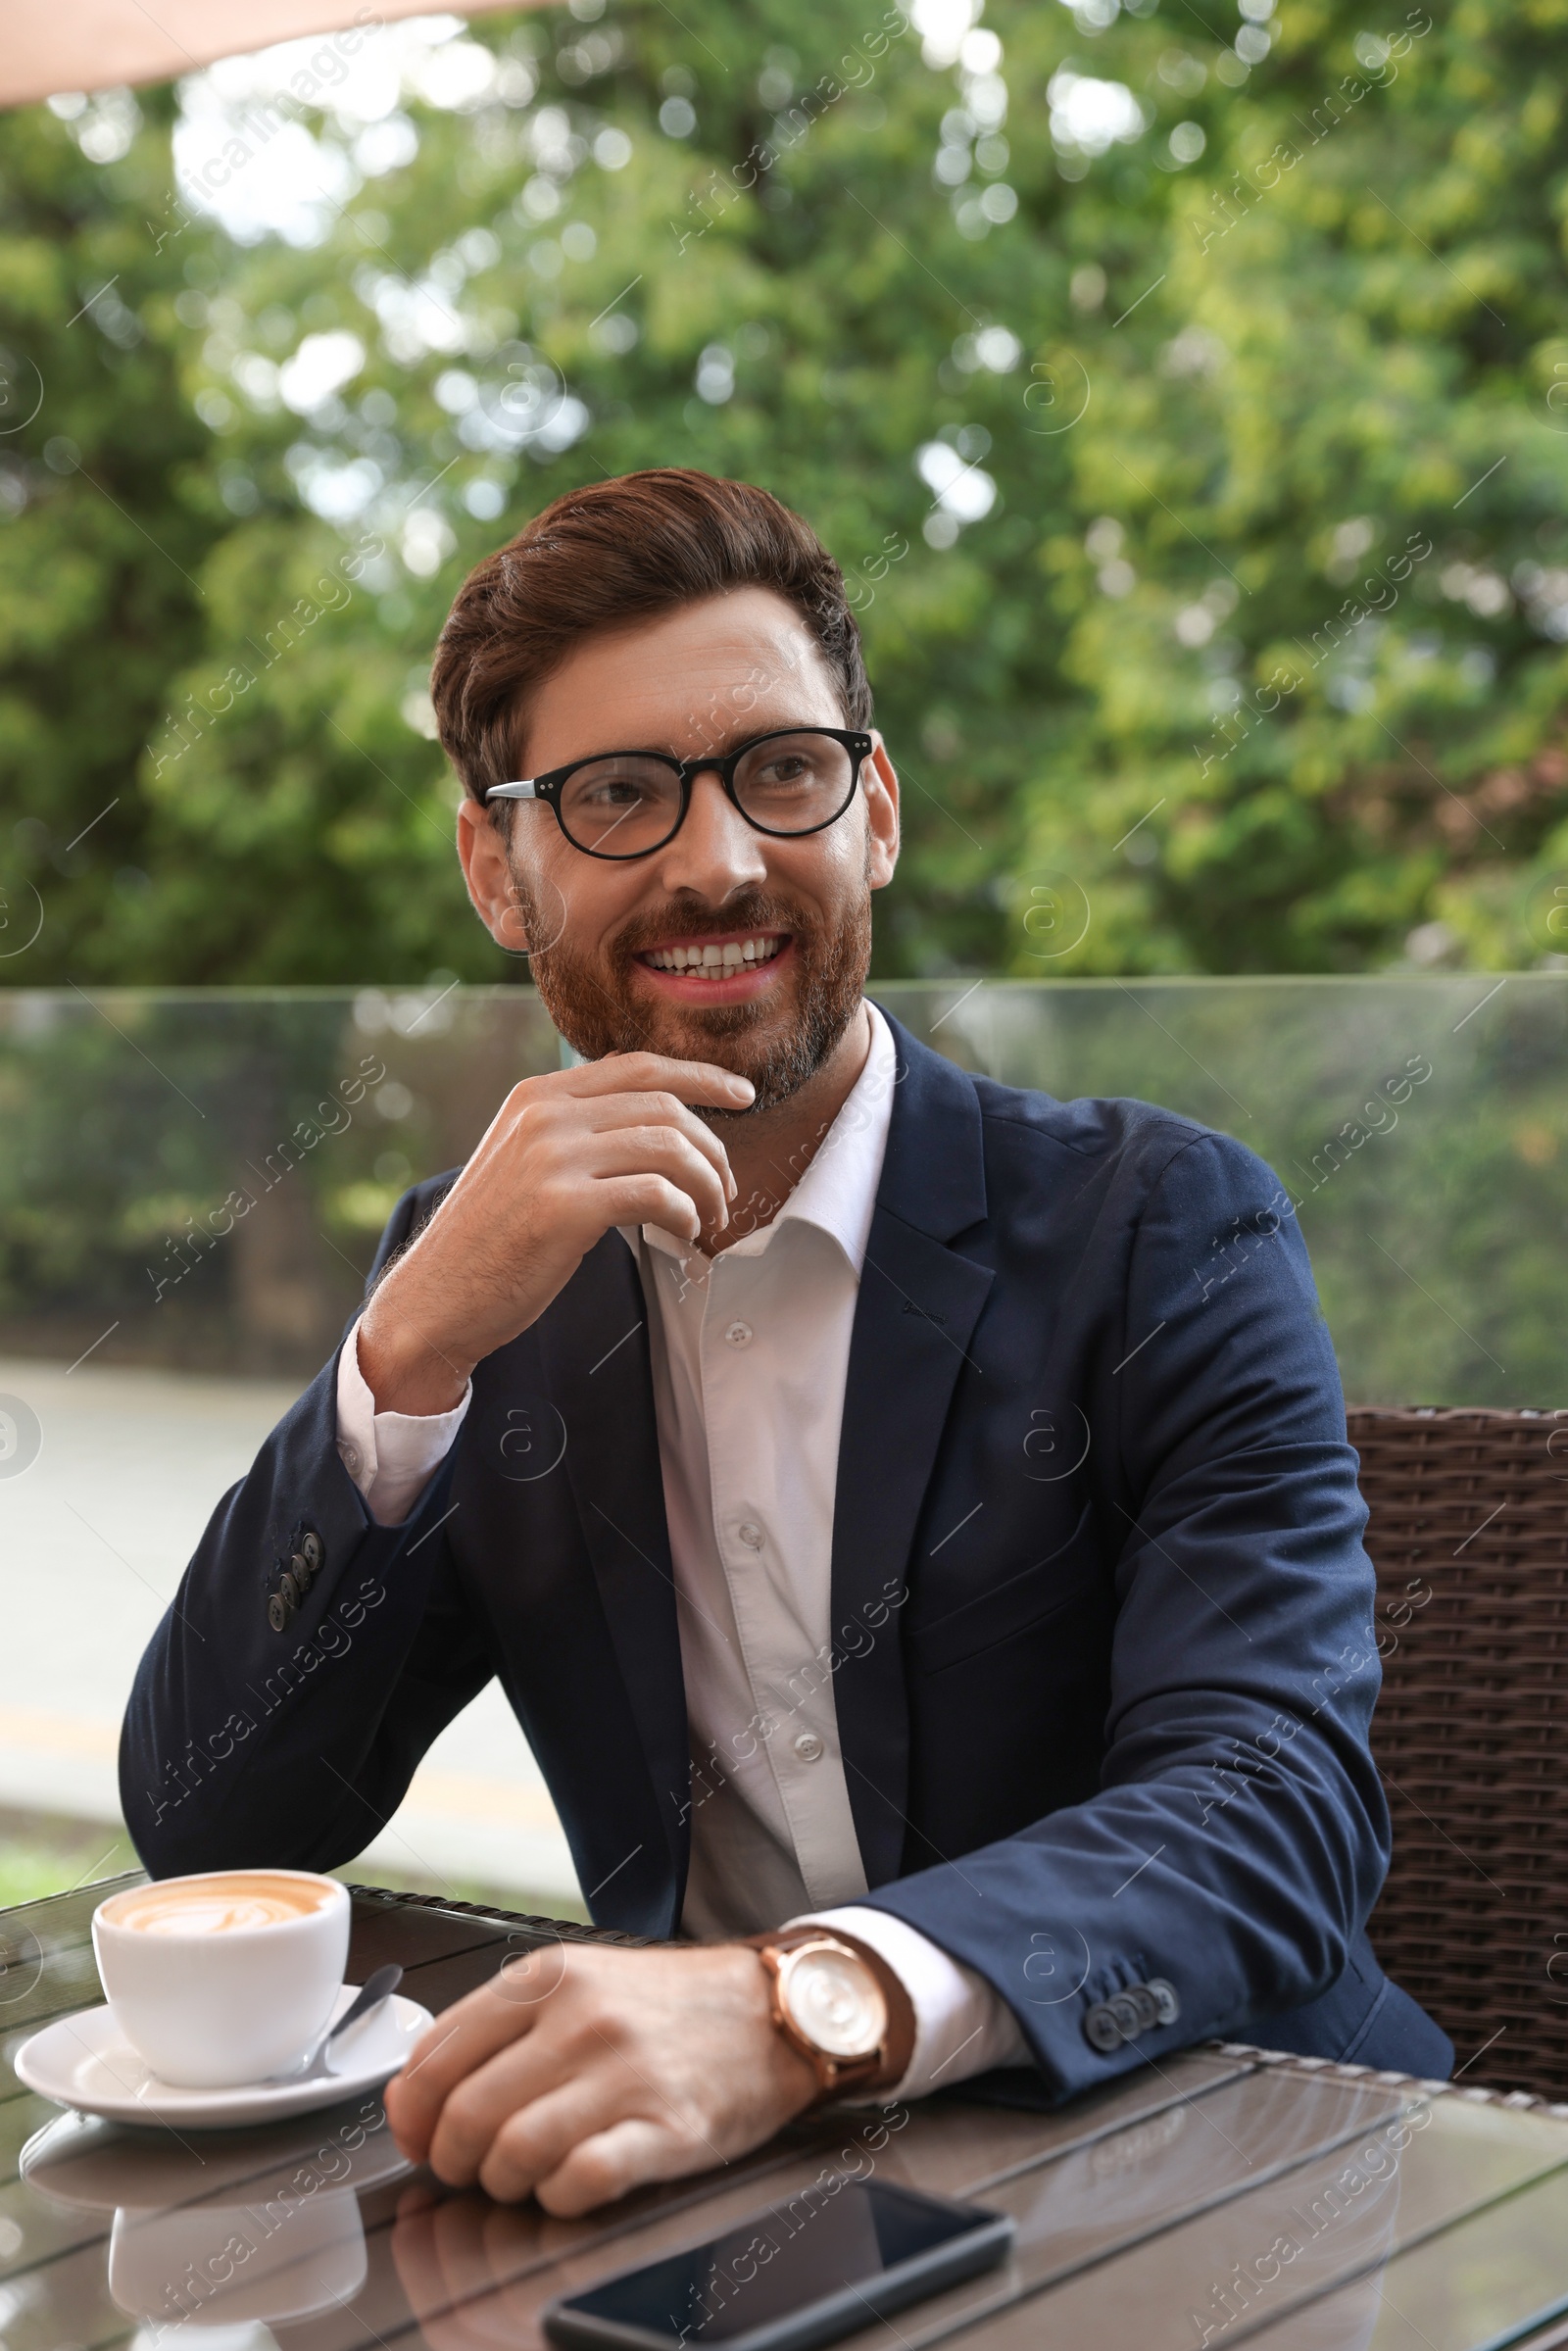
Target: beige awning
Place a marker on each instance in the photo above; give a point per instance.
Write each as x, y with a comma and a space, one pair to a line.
49, 45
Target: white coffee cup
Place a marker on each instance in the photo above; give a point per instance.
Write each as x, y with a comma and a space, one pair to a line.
223, 1978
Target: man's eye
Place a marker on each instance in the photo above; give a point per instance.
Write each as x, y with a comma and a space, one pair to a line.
615, 792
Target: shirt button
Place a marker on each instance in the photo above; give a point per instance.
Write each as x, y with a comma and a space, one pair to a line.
808, 1747
351, 1458
751, 1534
740, 1334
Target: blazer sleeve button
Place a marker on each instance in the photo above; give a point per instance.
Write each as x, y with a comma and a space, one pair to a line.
313, 1550
277, 1612
1101, 2031
1127, 2015
1142, 1996
1167, 1998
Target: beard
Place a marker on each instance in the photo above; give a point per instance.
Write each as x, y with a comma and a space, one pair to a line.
778, 1047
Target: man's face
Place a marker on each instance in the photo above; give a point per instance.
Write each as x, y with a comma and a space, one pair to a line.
701, 679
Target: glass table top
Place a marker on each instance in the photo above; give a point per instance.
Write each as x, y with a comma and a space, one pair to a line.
1226, 2195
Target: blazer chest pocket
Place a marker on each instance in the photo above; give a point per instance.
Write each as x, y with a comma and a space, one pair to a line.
1017, 1605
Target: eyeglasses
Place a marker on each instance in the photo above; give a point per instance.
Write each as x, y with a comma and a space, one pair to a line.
626, 803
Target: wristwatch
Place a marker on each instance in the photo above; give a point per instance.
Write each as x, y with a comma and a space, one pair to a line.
840, 2006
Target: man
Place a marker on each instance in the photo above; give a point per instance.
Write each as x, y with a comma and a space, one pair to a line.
910, 1518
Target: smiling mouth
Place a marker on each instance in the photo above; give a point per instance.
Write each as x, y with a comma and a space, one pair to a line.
718, 957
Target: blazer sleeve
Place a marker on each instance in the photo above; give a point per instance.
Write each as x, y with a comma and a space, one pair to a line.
1238, 1836
243, 1747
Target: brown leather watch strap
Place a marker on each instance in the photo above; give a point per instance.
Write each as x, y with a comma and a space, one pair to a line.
898, 2049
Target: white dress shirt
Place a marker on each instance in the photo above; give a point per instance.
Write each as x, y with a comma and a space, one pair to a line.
750, 1352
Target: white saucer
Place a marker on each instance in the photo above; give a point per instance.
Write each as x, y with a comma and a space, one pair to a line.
84, 2061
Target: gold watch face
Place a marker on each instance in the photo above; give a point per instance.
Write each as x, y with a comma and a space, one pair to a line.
834, 2002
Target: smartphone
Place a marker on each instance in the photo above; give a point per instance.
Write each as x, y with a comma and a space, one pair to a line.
799, 2273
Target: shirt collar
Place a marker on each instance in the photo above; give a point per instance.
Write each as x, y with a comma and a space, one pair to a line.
838, 1192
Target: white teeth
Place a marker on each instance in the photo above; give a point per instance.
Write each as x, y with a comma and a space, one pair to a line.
733, 956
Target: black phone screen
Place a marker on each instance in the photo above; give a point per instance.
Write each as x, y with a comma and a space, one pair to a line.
782, 2259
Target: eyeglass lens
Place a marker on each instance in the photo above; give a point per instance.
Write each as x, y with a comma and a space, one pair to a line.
628, 803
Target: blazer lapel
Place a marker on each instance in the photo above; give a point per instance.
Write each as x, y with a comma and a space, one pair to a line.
597, 1361
918, 1305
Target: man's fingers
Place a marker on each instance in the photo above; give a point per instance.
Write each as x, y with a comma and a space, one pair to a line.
478, 2106
603, 2165
651, 1074
536, 2139
653, 1200
465, 2036
662, 1151
664, 1112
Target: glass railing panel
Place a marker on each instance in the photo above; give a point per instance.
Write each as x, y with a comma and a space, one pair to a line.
199, 1179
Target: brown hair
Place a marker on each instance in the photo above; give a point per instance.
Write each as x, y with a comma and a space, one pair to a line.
607, 554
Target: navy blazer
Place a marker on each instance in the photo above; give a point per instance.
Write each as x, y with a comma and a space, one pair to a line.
1102, 1632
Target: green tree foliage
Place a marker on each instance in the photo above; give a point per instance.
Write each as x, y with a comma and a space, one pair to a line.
1184, 392
104, 526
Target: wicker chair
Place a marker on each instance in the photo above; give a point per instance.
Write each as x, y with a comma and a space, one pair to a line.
1469, 1536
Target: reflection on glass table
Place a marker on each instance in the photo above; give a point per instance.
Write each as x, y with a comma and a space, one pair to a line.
244, 2226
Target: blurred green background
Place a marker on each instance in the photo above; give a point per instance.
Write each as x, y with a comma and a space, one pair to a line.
1183, 388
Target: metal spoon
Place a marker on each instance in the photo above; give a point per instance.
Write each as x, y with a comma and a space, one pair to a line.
377, 1987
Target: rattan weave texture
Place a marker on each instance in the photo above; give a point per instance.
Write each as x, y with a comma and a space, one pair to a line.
1469, 1536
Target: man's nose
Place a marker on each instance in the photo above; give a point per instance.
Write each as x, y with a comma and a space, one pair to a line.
716, 852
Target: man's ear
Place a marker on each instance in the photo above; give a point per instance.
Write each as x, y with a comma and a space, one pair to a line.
487, 872
881, 787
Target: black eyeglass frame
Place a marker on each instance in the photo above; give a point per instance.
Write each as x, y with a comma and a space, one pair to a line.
550, 786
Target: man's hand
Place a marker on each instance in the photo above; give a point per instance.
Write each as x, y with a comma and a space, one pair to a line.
565, 1157
581, 2073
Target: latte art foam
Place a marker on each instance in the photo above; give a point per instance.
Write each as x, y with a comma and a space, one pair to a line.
218, 1905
